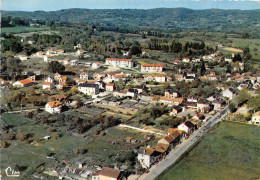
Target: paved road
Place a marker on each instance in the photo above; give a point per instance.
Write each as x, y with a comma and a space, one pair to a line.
174, 155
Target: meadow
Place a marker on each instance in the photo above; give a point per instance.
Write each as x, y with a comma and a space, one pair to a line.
23, 29
230, 151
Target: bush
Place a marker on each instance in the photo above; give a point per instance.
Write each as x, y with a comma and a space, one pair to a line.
232, 107
4, 144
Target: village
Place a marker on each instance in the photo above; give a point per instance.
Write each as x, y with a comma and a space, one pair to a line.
123, 87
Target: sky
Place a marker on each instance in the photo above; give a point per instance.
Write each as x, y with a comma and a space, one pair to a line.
53, 5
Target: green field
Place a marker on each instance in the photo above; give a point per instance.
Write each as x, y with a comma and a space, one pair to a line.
230, 152
253, 44
22, 29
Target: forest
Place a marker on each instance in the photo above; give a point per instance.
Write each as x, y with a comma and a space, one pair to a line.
167, 19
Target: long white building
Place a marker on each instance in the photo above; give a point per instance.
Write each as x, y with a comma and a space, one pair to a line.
151, 68
124, 63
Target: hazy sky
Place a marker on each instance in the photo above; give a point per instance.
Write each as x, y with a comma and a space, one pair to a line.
52, 5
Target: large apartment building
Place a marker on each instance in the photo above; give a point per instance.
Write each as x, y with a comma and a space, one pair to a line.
124, 63
152, 68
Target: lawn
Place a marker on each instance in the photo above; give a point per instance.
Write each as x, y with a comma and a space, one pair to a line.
230, 152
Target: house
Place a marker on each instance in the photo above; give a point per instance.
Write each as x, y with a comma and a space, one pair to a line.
49, 79
210, 77
2, 81
192, 99
123, 63
79, 81
170, 101
110, 87
30, 42
148, 156
228, 60
138, 89
242, 86
172, 139
53, 107
188, 127
57, 76
83, 76
152, 68
39, 53
59, 51
63, 79
130, 139
110, 174
23, 57
176, 110
89, 89
23, 83
79, 164
218, 104
66, 61
78, 46
47, 58
186, 60
47, 137
99, 75
176, 62
160, 78
155, 77
74, 62
168, 78
96, 65
117, 77
171, 93
107, 80
48, 85
203, 105
256, 118
79, 52
199, 117
162, 148
189, 78
125, 53
229, 93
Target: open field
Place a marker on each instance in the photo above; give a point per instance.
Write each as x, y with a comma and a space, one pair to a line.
253, 45
230, 151
233, 49
23, 29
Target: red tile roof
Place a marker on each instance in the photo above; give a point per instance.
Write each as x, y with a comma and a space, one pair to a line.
46, 83
117, 59
152, 65
26, 81
54, 104
109, 172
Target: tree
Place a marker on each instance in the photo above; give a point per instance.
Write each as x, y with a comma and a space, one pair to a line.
135, 50
55, 66
237, 57
232, 107
242, 96
202, 68
254, 103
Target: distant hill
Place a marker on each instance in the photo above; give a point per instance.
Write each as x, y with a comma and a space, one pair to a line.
161, 18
